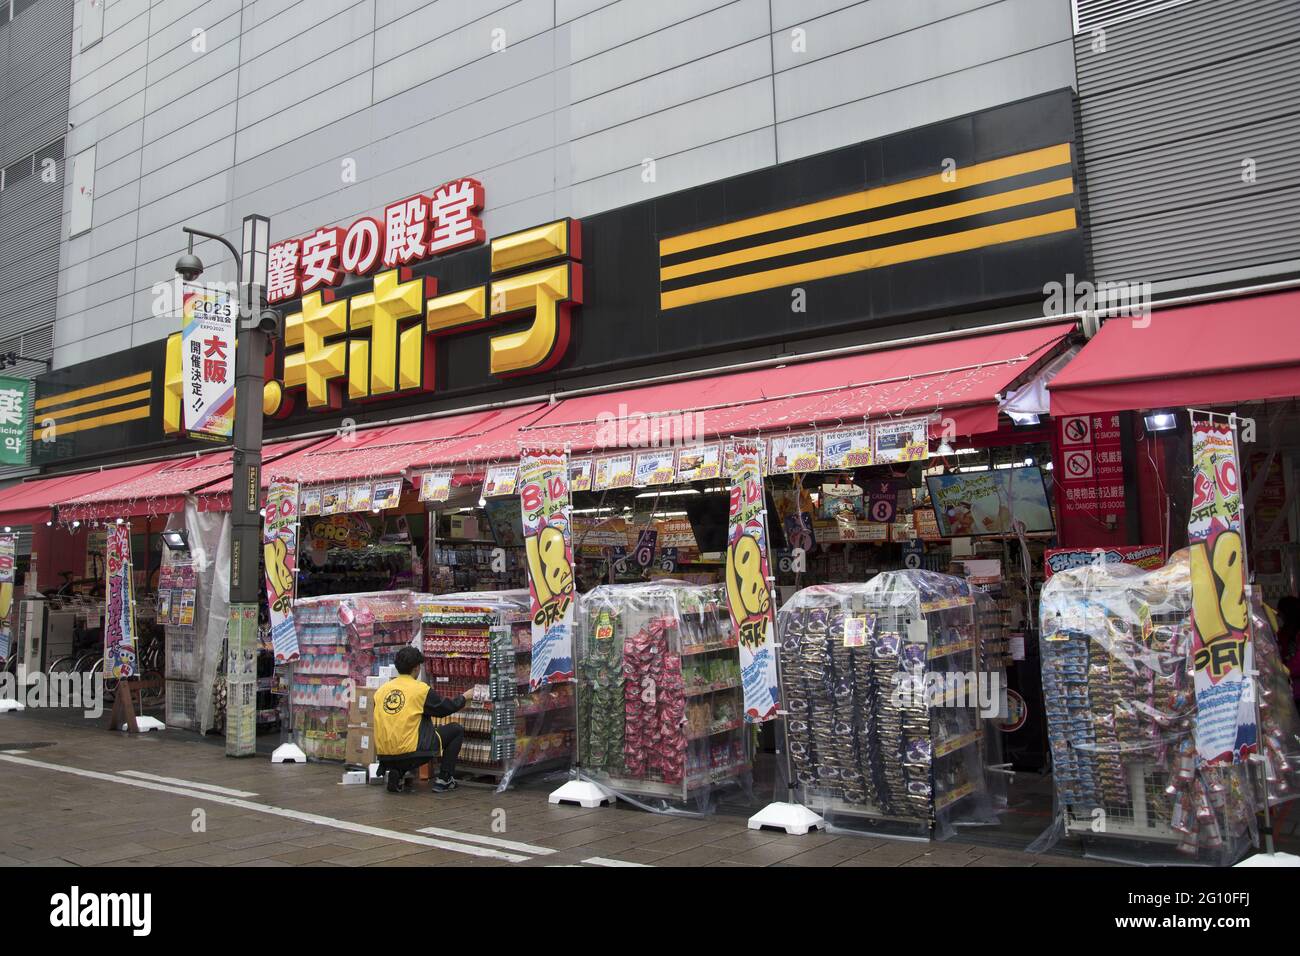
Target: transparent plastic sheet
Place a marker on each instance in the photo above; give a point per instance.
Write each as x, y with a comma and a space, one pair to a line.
209, 536
883, 689
660, 720
1121, 713
1279, 724
478, 643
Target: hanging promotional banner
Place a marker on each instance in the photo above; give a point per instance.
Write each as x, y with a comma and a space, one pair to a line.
500, 481
580, 475
658, 467
208, 347
907, 439
613, 472
793, 453
387, 494
15, 420
1222, 655
309, 502
119, 604
280, 549
847, 447
748, 596
699, 462
1148, 557
435, 485
544, 499
8, 550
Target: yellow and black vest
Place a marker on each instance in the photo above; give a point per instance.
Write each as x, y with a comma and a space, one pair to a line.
399, 708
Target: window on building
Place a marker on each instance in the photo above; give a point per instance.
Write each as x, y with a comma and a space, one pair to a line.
17, 172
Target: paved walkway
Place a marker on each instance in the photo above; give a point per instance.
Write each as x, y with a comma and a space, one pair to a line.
167, 799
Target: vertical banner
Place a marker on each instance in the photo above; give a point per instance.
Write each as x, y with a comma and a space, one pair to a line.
544, 499
280, 550
1221, 650
7, 553
15, 420
208, 347
119, 604
748, 595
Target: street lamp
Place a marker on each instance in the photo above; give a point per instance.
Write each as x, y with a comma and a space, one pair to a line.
256, 323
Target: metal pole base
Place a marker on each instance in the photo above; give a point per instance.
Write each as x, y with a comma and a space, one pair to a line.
1271, 859
288, 753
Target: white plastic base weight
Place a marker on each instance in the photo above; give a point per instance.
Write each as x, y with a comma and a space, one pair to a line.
146, 724
582, 792
8, 705
288, 753
794, 818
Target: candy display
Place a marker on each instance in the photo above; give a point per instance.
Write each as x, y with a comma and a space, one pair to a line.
1121, 713
479, 644
890, 711
659, 699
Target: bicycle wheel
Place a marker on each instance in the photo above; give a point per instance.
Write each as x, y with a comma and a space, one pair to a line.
64, 665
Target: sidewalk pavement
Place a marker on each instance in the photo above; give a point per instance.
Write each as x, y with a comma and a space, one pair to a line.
84, 796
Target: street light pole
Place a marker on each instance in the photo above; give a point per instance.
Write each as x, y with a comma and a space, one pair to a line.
255, 323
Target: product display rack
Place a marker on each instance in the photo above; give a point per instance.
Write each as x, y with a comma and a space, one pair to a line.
884, 688
660, 706
343, 640
479, 644
1121, 715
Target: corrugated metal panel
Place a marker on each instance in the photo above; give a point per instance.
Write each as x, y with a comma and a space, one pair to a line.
1170, 110
1090, 14
35, 64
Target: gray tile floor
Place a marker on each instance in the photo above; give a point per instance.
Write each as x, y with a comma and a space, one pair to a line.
70, 803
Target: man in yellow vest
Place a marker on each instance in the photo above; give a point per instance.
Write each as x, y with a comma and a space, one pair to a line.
405, 737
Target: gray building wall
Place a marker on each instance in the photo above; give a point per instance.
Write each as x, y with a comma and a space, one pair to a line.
35, 52
1178, 103
555, 105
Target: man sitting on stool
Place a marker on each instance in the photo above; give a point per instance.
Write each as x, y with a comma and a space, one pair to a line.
405, 737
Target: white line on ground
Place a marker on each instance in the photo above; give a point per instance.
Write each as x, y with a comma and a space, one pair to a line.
488, 841
299, 815
13, 751
606, 861
210, 787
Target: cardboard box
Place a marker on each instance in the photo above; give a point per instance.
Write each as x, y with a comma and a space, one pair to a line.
362, 709
360, 749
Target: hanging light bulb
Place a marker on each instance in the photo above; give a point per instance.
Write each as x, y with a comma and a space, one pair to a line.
76, 524
944, 448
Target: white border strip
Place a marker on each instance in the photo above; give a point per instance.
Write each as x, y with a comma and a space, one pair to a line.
488, 841
210, 787
606, 861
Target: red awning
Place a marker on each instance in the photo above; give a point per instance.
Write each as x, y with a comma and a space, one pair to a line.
379, 452
31, 501
1216, 353
957, 378
163, 489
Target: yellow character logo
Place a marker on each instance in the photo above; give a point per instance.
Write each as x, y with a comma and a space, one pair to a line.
549, 565
277, 569
746, 589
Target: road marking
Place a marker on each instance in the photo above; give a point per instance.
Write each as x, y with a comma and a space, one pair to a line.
488, 841
606, 861
13, 751
285, 812
212, 788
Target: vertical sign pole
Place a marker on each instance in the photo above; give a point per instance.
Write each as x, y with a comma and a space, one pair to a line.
245, 500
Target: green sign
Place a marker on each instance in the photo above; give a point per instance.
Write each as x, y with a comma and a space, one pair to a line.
15, 420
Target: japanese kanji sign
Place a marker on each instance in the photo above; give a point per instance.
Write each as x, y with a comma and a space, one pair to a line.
749, 595
1222, 655
119, 604
7, 552
548, 545
15, 426
208, 347
280, 550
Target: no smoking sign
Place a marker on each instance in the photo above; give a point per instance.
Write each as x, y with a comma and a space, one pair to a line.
1078, 464
1076, 430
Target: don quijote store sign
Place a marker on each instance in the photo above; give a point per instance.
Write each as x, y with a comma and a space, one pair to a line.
417, 309
383, 342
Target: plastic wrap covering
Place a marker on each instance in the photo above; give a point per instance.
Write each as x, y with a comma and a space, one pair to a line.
1278, 721
1116, 647
660, 704
344, 640
478, 643
890, 714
